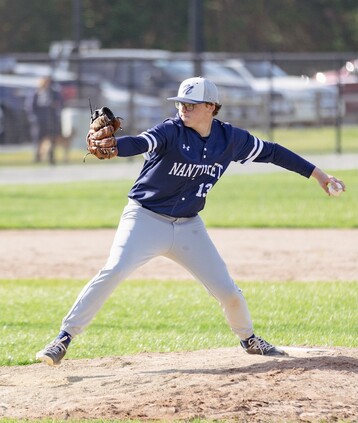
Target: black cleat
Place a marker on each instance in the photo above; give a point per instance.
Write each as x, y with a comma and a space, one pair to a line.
54, 352
257, 345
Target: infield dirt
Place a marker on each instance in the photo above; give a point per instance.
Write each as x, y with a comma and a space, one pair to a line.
312, 385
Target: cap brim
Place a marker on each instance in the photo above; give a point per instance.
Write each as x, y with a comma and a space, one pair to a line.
185, 100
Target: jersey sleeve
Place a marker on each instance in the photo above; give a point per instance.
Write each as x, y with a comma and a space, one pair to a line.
283, 157
153, 140
250, 148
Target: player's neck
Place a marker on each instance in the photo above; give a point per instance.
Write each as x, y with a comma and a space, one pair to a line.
204, 129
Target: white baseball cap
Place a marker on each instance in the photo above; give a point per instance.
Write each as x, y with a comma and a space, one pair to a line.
197, 90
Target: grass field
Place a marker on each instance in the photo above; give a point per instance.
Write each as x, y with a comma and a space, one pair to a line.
272, 200
173, 316
303, 140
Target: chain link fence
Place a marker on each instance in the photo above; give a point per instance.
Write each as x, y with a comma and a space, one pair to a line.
264, 92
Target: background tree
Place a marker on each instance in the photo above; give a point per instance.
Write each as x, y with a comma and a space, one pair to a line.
229, 25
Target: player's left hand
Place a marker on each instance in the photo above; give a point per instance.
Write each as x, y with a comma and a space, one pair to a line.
101, 141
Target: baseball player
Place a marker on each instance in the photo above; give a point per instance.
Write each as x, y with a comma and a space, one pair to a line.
184, 158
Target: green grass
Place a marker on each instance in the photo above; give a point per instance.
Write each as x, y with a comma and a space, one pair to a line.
308, 140
281, 200
24, 156
319, 140
252, 200
67, 205
173, 316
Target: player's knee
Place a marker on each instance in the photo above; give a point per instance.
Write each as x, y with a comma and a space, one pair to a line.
233, 297
232, 301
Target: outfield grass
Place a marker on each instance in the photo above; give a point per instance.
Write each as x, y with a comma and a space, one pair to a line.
173, 316
320, 140
252, 200
303, 140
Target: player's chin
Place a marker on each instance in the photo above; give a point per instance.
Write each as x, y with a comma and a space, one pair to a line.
186, 120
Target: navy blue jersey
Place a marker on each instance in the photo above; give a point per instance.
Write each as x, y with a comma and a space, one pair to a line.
181, 167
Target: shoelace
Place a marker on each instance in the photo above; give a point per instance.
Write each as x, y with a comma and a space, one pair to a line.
258, 343
57, 346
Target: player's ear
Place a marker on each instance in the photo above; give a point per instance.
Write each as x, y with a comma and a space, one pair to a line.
210, 106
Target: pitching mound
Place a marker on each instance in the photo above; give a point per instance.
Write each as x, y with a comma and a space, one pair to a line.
310, 385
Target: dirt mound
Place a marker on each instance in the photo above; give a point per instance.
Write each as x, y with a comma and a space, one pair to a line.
311, 385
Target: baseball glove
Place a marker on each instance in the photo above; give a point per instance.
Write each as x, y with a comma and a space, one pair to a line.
101, 141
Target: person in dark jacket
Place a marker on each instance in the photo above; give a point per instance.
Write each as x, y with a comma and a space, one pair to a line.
47, 105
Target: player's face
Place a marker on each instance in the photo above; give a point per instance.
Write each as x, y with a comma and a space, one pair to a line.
195, 115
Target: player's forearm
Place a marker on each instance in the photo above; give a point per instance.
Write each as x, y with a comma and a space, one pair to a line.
131, 146
292, 161
283, 157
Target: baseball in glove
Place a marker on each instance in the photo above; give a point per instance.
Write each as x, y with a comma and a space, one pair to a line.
101, 141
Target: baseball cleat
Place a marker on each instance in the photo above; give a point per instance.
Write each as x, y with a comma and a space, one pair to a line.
54, 352
257, 345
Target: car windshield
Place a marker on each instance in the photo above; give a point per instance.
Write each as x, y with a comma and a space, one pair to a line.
264, 69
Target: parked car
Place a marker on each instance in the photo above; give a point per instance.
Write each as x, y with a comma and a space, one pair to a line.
346, 79
241, 102
7, 64
158, 74
138, 111
292, 99
75, 91
348, 74
16, 122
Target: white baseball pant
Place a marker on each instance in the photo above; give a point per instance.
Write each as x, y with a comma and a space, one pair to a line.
143, 235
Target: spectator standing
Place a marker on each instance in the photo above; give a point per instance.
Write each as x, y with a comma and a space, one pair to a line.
47, 105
